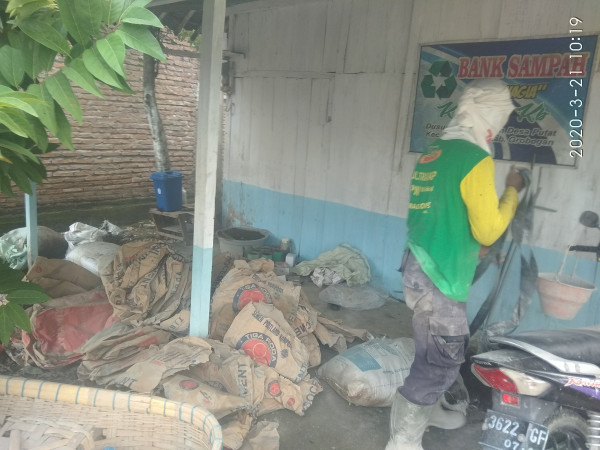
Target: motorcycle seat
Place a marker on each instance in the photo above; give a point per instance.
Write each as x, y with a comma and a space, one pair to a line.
574, 350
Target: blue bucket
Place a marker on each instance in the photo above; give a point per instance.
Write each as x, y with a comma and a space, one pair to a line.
167, 189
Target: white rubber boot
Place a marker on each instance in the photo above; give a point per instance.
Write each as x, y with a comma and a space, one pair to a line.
446, 419
407, 424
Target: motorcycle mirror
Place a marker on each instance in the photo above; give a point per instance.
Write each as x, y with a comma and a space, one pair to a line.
589, 219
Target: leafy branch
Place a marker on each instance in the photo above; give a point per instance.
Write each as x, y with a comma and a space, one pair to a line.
14, 294
90, 37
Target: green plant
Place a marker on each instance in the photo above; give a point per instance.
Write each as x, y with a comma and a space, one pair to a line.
14, 294
45, 45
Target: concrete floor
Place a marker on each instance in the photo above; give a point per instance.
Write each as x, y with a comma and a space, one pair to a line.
332, 423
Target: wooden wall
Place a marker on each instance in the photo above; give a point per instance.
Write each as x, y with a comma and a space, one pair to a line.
319, 119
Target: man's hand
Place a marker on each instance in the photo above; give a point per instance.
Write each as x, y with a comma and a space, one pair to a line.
515, 179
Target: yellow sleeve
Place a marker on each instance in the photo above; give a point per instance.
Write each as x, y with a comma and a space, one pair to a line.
488, 216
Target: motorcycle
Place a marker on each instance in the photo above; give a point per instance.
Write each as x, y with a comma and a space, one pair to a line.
545, 384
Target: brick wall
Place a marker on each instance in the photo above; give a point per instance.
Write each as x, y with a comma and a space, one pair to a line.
114, 155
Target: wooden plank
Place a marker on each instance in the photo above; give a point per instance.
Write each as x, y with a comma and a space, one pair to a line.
367, 36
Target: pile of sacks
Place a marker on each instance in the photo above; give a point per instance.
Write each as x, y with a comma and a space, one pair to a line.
264, 336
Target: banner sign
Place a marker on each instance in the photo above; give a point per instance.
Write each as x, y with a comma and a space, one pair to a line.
548, 80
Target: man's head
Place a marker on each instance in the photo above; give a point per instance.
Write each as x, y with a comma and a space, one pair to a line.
483, 107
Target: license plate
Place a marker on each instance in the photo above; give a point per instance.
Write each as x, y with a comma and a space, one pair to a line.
504, 432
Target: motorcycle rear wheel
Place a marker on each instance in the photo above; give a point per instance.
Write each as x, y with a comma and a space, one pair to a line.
567, 431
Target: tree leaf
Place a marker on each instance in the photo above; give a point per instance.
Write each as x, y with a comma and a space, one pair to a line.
60, 89
82, 18
20, 178
43, 32
18, 149
21, 9
64, 128
112, 10
38, 133
19, 317
12, 67
27, 296
125, 87
13, 120
132, 4
79, 75
36, 57
45, 110
139, 38
42, 59
8, 275
19, 100
100, 69
35, 172
141, 16
112, 50
6, 326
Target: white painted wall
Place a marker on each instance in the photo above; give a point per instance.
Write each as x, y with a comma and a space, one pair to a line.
322, 109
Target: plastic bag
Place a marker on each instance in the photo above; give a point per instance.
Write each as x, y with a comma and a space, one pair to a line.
353, 297
368, 374
80, 233
13, 246
93, 256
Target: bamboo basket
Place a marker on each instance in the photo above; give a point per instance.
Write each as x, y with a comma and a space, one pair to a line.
112, 419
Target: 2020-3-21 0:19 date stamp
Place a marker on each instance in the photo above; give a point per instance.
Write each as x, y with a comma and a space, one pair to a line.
576, 82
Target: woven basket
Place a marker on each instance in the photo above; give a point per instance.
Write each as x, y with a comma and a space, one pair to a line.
121, 420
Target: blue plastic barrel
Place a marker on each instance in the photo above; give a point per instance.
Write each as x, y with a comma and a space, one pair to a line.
167, 189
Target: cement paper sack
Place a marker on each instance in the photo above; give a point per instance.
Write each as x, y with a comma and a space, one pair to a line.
250, 282
297, 397
262, 332
231, 371
182, 388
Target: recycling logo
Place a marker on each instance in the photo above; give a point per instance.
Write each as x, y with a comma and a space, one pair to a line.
439, 81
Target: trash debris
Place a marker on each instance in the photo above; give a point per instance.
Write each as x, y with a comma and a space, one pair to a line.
93, 256
183, 388
263, 436
13, 246
149, 283
156, 364
61, 326
81, 233
122, 311
323, 276
248, 282
369, 374
263, 333
350, 263
353, 297
60, 278
110, 352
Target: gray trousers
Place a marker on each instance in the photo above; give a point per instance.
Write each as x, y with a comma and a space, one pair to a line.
440, 332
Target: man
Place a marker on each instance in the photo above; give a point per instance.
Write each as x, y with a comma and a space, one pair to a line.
453, 211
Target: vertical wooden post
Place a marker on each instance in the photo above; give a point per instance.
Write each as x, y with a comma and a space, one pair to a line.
208, 125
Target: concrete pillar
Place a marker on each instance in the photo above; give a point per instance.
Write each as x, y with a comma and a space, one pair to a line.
208, 124
31, 223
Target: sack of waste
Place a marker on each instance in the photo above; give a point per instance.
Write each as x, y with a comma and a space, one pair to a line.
369, 374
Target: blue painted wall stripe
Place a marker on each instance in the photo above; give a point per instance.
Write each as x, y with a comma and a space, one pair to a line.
316, 226
201, 281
